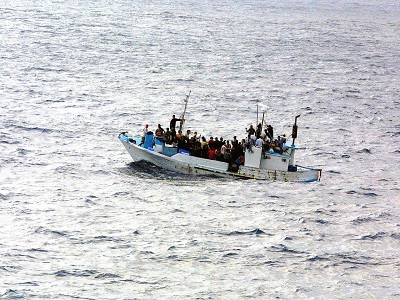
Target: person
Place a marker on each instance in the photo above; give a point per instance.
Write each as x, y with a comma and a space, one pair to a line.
172, 124
235, 142
270, 132
244, 146
235, 151
259, 130
211, 143
178, 135
227, 154
278, 145
196, 147
216, 144
159, 131
187, 134
182, 143
223, 149
284, 140
259, 142
218, 155
264, 135
251, 131
240, 160
204, 147
250, 144
279, 142
168, 137
145, 131
195, 137
266, 145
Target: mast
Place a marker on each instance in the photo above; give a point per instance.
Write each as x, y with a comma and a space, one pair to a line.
262, 122
294, 130
184, 111
257, 116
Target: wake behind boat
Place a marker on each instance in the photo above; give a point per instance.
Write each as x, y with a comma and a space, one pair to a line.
259, 156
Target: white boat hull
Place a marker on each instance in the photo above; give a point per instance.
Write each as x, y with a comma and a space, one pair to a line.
186, 164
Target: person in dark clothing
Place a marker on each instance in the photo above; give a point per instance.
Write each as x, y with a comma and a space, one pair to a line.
251, 131
168, 137
172, 124
259, 130
219, 156
270, 132
235, 142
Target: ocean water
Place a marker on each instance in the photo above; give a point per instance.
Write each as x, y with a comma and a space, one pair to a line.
79, 220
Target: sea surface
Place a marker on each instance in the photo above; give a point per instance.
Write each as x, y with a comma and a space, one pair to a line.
80, 220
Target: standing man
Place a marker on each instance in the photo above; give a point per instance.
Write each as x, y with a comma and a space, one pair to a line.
172, 125
270, 132
251, 131
145, 131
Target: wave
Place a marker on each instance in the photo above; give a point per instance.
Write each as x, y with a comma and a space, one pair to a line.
49, 231
361, 220
375, 236
4, 197
332, 172
251, 232
12, 142
104, 238
342, 258
320, 221
76, 273
365, 150
283, 248
37, 250
395, 236
230, 254
370, 194
30, 129
106, 275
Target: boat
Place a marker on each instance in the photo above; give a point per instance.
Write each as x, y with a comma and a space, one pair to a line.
256, 163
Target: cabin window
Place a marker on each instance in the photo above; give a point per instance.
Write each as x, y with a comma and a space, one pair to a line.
284, 160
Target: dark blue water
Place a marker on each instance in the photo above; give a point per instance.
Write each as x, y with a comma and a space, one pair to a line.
79, 220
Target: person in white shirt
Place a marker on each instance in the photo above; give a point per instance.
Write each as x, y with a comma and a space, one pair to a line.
145, 130
259, 142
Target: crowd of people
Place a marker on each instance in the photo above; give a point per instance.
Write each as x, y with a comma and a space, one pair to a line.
231, 151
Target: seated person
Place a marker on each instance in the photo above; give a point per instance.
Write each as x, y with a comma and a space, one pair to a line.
159, 131
218, 155
168, 137
211, 143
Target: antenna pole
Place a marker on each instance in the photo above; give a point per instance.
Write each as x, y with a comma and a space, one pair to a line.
184, 111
